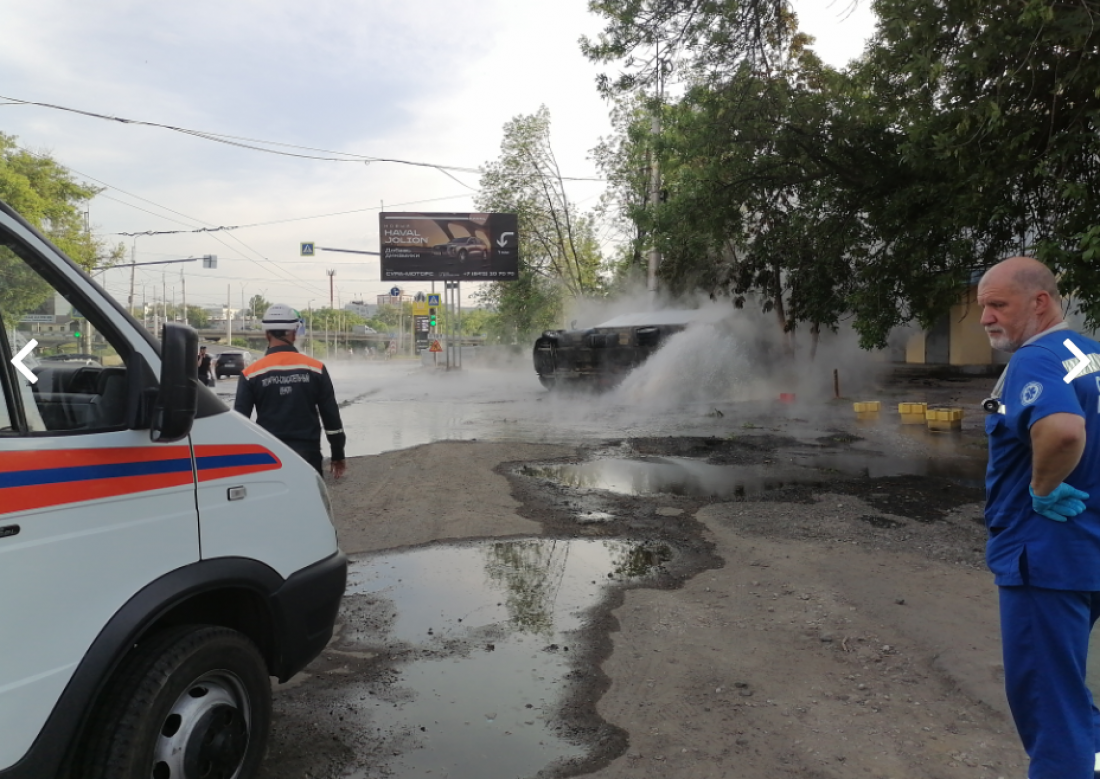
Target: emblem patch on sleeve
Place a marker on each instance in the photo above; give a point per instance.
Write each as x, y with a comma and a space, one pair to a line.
1031, 392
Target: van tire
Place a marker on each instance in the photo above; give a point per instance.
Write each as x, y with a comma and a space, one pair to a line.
192, 701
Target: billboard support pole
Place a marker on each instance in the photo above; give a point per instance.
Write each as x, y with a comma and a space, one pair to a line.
450, 323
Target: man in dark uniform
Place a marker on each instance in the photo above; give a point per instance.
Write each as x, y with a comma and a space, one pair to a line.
288, 390
204, 368
1043, 514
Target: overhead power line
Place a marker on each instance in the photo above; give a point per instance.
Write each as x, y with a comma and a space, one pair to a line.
249, 143
291, 219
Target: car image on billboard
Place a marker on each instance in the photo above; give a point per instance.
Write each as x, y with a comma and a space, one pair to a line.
445, 247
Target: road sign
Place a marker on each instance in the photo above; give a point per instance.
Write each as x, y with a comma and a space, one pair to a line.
395, 292
435, 347
433, 299
420, 308
309, 249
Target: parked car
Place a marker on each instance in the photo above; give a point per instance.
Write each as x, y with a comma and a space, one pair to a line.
77, 357
160, 556
231, 363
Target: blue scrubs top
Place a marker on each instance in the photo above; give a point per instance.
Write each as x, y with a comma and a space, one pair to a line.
1055, 555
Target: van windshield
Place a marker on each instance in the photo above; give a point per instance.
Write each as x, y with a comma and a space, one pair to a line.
75, 376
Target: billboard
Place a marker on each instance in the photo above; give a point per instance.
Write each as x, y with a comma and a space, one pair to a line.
449, 247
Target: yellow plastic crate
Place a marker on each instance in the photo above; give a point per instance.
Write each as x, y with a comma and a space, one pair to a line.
944, 418
868, 409
912, 413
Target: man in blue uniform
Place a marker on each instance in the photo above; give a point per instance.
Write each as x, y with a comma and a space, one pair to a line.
1043, 515
288, 390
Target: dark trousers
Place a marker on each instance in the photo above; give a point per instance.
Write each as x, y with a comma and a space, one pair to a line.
1045, 639
310, 455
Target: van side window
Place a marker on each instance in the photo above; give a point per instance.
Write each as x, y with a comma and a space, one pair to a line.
79, 376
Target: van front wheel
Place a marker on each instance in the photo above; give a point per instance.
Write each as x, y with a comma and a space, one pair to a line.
192, 702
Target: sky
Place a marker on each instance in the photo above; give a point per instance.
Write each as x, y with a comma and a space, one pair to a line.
426, 81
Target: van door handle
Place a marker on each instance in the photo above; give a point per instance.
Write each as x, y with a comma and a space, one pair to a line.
9, 530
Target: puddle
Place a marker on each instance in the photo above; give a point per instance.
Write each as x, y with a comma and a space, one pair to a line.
695, 478
498, 624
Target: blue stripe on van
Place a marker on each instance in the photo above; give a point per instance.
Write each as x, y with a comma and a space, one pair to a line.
211, 462
43, 476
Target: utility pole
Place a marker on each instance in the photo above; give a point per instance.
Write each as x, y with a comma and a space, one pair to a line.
655, 167
183, 287
654, 198
328, 330
228, 315
133, 267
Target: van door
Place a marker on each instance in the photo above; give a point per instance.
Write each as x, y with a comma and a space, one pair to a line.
90, 510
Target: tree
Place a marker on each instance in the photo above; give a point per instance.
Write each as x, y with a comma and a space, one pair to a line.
257, 306
653, 40
331, 319
559, 252
197, 317
623, 158
480, 321
757, 196
1001, 138
880, 191
388, 317
49, 198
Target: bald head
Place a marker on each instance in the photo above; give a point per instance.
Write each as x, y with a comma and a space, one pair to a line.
1019, 298
1026, 273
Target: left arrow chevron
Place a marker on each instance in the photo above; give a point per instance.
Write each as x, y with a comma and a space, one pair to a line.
17, 361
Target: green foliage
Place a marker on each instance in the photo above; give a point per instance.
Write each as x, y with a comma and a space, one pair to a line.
257, 306
390, 317
624, 160
651, 41
197, 317
966, 133
331, 319
480, 321
22, 291
559, 253
48, 197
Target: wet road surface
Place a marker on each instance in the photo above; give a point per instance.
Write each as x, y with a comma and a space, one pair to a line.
485, 636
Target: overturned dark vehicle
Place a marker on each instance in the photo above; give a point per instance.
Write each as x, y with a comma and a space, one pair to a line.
599, 357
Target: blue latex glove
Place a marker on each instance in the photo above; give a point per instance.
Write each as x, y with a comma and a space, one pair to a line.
1062, 503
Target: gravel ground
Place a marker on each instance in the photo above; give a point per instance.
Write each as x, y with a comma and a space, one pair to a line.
844, 627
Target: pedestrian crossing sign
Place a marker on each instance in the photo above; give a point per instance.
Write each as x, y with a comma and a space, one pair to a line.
308, 249
433, 299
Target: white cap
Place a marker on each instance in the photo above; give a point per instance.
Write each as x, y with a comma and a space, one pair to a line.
281, 317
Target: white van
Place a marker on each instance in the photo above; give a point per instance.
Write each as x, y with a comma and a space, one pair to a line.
160, 556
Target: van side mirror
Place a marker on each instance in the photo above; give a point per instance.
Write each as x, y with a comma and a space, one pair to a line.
177, 400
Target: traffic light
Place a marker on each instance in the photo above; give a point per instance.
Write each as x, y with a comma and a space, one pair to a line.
431, 317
